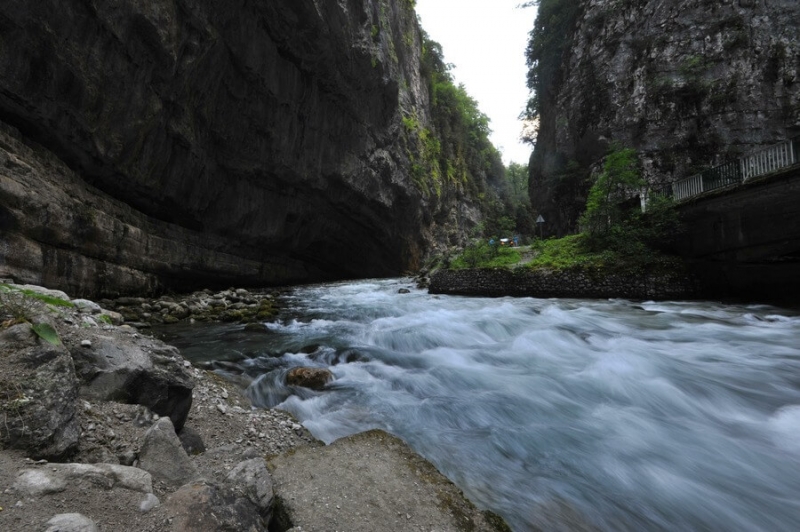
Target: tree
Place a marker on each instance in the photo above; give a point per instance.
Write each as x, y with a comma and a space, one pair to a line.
620, 176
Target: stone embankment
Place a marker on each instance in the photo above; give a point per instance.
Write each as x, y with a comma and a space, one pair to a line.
103, 428
523, 282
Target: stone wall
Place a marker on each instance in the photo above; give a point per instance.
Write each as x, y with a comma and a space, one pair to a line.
577, 284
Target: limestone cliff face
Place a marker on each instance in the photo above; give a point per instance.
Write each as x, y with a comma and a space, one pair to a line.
688, 83
177, 143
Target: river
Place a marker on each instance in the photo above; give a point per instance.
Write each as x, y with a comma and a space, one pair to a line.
555, 413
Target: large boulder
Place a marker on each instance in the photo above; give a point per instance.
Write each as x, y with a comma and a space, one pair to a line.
38, 393
367, 482
147, 372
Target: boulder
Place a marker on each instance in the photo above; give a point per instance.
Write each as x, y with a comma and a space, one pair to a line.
313, 378
163, 456
71, 523
116, 368
366, 482
38, 405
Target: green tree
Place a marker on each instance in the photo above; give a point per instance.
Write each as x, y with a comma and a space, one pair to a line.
620, 177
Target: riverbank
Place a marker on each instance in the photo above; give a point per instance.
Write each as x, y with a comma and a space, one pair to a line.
109, 429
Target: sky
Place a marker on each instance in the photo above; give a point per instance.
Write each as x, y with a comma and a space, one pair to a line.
486, 40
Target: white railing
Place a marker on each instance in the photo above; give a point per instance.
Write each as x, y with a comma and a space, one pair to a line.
769, 160
686, 188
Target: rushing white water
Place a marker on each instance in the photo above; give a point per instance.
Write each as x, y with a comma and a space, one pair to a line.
556, 414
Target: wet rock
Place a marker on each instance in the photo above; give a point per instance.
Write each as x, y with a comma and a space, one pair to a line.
313, 378
404, 291
163, 456
256, 328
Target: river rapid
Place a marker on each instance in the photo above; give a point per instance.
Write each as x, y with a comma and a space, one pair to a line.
557, 414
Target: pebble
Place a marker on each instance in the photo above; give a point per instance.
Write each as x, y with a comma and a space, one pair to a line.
222, 408
86, 343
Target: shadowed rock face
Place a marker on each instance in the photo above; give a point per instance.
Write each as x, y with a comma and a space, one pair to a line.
689, 85
202, 142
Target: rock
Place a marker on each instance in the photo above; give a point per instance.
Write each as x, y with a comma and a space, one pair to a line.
367, 481
86, 343
56, 477
17, 337
117, 368
250, 479
163, 456
86, 306
148, 503
191, 441
256, 328
58, 294
404, 291
201, 507
313, 378
39, 411
70, 523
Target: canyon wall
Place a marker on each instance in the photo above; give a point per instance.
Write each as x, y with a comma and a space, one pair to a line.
688, 83
171, 144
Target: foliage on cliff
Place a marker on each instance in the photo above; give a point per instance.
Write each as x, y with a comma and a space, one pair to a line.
455, 150
547, 43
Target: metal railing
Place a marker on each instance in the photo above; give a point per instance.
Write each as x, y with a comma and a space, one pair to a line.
758, 163
770, 159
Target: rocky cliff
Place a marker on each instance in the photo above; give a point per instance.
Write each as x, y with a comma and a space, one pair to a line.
170, 144
688, 83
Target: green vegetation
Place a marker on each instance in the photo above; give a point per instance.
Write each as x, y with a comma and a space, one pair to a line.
25, 306
454, 150
616, 235
480, 254
555, 21
46, 332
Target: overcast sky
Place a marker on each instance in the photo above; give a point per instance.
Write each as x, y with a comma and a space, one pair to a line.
486, 40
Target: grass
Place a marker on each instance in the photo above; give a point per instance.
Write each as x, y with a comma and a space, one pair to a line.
568, 253
485, 256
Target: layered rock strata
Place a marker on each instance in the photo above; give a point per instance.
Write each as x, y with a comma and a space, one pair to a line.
196, 143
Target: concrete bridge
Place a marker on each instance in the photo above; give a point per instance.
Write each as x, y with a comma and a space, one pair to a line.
742, 233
